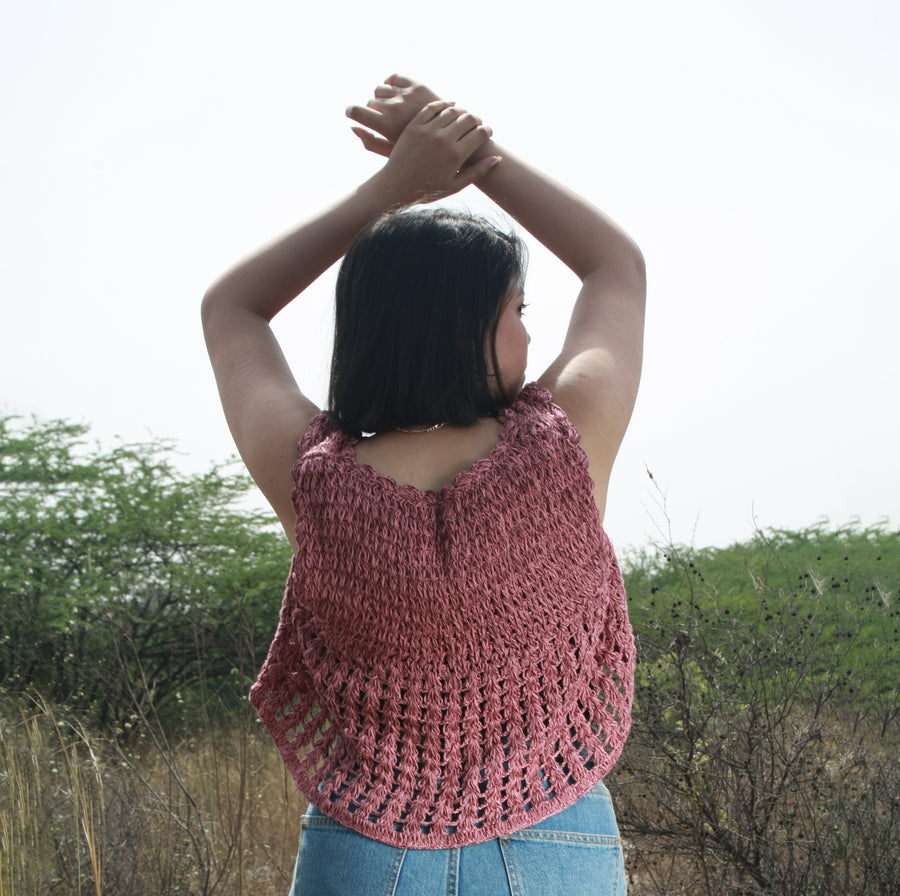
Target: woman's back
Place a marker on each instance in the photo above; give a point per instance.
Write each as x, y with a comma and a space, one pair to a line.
428, 460
455, 664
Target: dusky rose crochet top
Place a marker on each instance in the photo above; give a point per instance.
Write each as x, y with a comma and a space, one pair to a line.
450, 666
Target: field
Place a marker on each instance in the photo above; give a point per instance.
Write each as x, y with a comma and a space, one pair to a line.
136, 605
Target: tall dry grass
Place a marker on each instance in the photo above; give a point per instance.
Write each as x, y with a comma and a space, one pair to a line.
214, 814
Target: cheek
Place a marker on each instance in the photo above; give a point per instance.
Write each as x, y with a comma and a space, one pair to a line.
515, 353
521, 338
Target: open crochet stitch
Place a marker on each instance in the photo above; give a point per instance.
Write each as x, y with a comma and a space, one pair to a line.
450, 666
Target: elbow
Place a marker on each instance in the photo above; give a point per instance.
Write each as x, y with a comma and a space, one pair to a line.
217, 300
209, 305
636, 265
640, 262
619, 259
632, 258
223, 310
629, 268
216, 310
640, 271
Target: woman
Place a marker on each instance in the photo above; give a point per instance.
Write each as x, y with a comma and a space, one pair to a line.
452, 673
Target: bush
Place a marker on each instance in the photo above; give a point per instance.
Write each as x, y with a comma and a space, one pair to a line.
765, 754
124, 581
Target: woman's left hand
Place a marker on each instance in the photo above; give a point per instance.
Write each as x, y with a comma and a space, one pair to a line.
392, 107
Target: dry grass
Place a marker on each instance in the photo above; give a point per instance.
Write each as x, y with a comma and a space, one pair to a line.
823, 821
216, 814
79, 814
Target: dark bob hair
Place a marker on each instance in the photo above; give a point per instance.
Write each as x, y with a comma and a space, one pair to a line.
418, 298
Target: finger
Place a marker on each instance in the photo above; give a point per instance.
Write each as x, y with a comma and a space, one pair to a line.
477, 171
384, 90
364, 115
464, 123
431, 110
396, 80
449, 116
474, 140
372, 142
481, 133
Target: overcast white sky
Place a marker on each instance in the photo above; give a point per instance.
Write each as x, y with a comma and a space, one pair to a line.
752, 149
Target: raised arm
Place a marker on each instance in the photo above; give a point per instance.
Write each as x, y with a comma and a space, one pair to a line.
595, 377
265, 409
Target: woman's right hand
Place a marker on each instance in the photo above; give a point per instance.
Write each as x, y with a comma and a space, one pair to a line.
428, 159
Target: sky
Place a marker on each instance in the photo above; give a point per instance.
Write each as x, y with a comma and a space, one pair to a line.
751, 149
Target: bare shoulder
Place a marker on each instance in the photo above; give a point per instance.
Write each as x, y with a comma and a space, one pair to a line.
265, 409
598, 398
268, 441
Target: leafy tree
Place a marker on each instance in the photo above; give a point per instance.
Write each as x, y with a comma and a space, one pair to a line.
124, 581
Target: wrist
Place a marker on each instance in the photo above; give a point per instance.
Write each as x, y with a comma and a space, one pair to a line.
383, 193
487, 149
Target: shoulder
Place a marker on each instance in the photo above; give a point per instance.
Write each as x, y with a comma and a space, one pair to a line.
320, 446
321, 428
548, 444
535, 411
563, 436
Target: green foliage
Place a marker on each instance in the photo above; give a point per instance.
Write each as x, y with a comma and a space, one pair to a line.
124, 580
838, 588
765, 750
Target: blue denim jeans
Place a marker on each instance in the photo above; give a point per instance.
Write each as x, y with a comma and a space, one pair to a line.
573, 853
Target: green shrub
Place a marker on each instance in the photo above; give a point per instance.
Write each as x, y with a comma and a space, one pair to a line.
765, 752
124, 580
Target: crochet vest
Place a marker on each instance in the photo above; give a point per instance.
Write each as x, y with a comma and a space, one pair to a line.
450, 666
